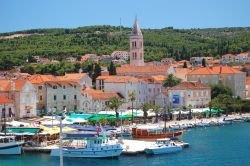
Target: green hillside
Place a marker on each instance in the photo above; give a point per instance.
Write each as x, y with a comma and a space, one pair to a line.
159, 43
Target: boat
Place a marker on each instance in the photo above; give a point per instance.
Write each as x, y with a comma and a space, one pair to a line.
88, 146
146, 134
247, 120
163, 146
8, 145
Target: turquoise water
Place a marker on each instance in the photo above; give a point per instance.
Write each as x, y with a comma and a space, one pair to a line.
224, 146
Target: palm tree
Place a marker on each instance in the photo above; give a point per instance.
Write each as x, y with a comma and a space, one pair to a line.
156, 110
179, 110
115, 103
132, 97
190, 109
145, 107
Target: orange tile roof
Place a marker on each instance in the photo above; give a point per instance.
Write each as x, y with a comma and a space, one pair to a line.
243, 54
248, 80
4, 100
215, 70
5, 85
190, 85
40, 79
99, 95
142, 69
102, 77
182, 70
159, 77
228, 55
72, 76
122, 79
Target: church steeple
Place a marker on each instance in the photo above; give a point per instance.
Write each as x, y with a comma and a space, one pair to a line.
136, 46
136, 29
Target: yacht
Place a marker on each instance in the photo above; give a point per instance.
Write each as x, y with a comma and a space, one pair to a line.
8, 145
163, 146
88, 145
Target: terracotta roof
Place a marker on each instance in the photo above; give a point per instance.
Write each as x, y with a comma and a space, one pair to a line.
72, 76
61, 83
5, 85
190, 85
159, 77
40, 79
248, 80
215, 70
122, 79
182, 61
99, 95
142, 69
228, 55
182, 70
243, 54
102, 77
4, 100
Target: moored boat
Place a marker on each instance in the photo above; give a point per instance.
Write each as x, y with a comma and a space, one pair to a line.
163, 146
8, 145
146, 134
88, 145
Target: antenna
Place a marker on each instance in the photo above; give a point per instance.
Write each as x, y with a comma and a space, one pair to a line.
120, 25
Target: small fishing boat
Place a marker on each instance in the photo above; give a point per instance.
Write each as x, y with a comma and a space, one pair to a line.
147, 134
89, 146
163, 146
8, 145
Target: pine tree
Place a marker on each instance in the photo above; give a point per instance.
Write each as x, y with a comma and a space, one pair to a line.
204, 62
112, 69
97, 72
185, 65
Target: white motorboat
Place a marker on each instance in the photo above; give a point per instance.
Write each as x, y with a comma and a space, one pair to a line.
163, 146
8, 145
88, 145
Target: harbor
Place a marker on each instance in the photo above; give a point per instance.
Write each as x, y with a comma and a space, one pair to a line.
204, 150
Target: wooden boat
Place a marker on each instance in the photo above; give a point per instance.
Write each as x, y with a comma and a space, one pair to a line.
145, 134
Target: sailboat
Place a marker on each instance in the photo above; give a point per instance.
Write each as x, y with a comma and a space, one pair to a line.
8, 143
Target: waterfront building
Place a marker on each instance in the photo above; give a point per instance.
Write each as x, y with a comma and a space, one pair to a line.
94, 101
234, 79
6, 108
23, 94
196, 94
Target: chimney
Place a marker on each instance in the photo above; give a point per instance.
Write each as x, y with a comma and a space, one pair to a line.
12, 86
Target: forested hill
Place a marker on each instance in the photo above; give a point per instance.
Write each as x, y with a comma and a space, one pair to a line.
159, 43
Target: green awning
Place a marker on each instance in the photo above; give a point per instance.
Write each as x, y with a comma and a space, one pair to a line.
22, 130
214, 111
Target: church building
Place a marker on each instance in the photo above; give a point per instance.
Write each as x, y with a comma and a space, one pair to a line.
137, 66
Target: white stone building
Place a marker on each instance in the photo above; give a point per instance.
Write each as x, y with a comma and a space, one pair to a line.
124, 55
23, 94
196, 94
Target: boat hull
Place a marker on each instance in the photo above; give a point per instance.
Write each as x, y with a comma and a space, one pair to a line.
163, 150
143, 134
12, 148
88, 152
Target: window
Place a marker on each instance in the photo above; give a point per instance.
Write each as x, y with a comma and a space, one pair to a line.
41, 97
54, 87
64, 97
3, 113
74, 86
54, 97
64, 87
75, 107
10, 112
40, 87
75, 97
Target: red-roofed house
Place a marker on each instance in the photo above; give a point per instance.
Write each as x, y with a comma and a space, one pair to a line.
94, 101
6, 108
196, 94
234, 79
23, 95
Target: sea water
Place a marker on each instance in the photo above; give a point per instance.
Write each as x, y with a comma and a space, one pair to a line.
223, 146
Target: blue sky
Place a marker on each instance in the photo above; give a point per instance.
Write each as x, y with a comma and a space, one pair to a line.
29, 14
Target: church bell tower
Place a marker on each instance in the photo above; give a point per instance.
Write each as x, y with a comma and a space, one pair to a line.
136, 46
